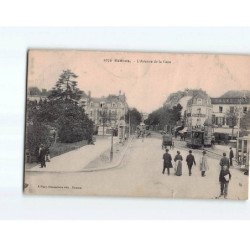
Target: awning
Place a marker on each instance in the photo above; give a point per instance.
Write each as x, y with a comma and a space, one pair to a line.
225, 131
183, 130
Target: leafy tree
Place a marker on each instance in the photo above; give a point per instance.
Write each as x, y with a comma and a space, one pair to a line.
134, 117
37, 132
63, 110
66, 88
245, 121
105, 118
165, 116
232, 118
74, 125
59, 112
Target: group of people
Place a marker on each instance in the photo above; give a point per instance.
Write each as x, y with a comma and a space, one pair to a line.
178, 159
225, 163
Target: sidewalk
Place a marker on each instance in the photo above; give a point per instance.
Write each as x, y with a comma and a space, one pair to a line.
103, 161
220, 149
76, 160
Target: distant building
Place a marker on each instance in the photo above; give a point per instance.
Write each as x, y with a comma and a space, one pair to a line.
36, 95
106, 112
144, 116
221, 106
199, 111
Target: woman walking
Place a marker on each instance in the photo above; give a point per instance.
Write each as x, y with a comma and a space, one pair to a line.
203, 164
178, 160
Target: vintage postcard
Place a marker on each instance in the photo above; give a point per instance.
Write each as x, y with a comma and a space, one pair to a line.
168, 125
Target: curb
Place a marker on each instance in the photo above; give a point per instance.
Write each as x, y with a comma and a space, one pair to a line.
89, 170
110, 167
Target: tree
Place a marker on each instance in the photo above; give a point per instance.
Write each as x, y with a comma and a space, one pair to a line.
37, 132
60, 112
245, 121
74, 125
66, 88
105, 118
165, 116
232, 117
134, 118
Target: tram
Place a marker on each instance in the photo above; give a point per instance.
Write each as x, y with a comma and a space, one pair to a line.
198, 137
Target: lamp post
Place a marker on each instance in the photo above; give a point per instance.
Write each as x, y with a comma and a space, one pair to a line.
129, 129
238, 132
238, 129
112, 142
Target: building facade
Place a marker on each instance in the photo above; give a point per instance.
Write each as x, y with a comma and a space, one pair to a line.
199, 111
222, 106
106, 112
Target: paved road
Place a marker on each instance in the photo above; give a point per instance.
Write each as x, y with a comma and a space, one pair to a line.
140, 175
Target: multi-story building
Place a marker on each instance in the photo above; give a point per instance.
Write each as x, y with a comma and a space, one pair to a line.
199, 111
222, 106
106, 112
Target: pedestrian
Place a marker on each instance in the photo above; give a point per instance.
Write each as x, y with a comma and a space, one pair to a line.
142, 136
224, 161
167, 162
212, 143
42, 156
231, 156
203, 164
47, 156
190, 161
178, 161
224, 178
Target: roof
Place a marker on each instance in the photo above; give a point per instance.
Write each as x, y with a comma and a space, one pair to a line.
233, 100
109, 98
198, 95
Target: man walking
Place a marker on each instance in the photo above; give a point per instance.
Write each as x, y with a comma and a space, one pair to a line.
167, 162
224, 178
224, 161
190, 161
231, 156
42, 156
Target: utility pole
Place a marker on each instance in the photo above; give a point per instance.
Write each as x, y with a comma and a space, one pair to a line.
238, 129
129, 128
111, 148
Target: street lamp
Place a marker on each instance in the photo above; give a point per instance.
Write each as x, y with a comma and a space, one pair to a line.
112, 142
129, 128
238, 129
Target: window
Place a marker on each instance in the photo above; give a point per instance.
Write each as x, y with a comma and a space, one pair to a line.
244, 109
199, 101
220, 109
102, 104
198, 110
221, 121
231, 109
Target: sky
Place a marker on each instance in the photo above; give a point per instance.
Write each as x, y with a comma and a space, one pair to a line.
146, 78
